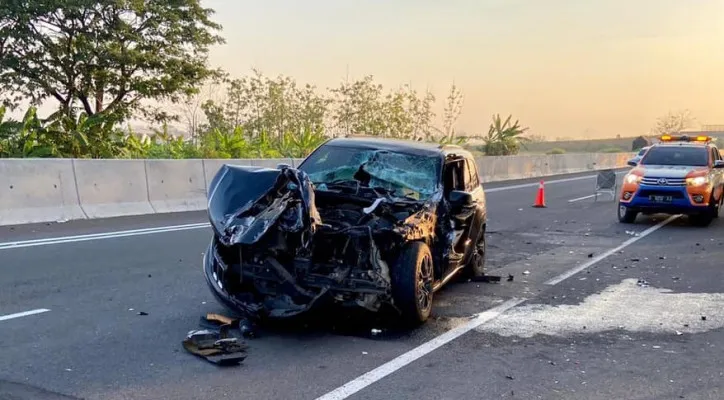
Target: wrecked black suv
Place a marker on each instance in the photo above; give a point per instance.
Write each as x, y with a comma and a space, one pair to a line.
360, 222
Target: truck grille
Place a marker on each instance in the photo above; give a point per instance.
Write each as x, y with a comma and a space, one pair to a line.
668, 181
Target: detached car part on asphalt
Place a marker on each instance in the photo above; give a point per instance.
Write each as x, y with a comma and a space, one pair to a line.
361, 222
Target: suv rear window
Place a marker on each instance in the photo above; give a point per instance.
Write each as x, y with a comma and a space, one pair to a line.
677, 155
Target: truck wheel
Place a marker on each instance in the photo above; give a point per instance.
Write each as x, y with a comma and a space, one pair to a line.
706, 218
625, 215
412, 283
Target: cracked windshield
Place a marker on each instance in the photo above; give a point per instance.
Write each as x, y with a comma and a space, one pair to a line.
350, 199
397, 174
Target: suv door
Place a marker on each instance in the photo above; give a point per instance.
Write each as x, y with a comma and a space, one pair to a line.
477, 224
456, 179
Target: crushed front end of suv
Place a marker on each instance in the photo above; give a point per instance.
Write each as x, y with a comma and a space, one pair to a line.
362, 223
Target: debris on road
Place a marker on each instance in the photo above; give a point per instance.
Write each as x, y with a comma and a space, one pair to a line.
142, 313
526, 272
510, 377
376, 331
487, 278
590, 255
218, 321
510, 278
703, 318
216, 347
642, 283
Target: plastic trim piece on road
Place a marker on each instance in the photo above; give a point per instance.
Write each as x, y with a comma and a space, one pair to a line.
399, 362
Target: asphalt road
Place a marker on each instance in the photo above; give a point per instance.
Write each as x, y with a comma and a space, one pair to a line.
642, 317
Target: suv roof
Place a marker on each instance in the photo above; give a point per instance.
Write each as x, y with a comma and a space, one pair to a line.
400, 145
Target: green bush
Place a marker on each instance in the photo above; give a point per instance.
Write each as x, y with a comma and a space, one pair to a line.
557, 150
611, 150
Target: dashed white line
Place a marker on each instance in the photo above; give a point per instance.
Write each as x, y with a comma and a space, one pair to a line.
23, 314
401, 361
527, 185
383, 370
582, 198
560, 278
99, 236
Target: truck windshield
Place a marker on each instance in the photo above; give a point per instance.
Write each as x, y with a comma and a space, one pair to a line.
677, 155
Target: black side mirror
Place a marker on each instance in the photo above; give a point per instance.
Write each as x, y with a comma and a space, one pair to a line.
632, 163
460, 198
718, 164
283, 165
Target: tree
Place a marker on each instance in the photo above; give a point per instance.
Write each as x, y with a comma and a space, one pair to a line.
453, 108
193, 106
504, 138
359, 107
420, 110
104, 57
276, 106
673, 122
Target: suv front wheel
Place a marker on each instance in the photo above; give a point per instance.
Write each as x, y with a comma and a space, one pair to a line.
412, 283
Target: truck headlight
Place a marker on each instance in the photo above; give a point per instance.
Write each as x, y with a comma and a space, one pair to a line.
631, 178
697, 181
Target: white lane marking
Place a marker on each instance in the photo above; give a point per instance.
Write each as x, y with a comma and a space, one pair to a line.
581, 198
23, 314
383, 370
527, 185
401, 361
558, 279
99, 236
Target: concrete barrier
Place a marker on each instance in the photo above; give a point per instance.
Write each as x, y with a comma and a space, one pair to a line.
37, 190
112, 188
43, 190
502, 168
176, 185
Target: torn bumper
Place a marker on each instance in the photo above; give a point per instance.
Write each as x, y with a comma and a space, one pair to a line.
277, 293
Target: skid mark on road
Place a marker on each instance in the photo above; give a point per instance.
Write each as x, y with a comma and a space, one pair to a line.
23, 314
623, 306
474, 323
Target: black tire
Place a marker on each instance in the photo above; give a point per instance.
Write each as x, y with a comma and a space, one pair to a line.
412, 283
625, 215
476, 265
706, 218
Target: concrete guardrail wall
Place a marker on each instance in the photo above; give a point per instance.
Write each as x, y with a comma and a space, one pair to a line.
46, 190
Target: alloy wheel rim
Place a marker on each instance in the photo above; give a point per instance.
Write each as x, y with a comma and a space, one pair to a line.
424, 284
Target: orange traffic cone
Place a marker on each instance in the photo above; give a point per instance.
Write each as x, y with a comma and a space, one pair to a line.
540, 199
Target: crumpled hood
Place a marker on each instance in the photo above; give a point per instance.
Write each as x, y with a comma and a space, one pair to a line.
244, 202
669, 171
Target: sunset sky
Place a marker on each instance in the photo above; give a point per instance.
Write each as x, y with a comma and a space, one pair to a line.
566, 68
